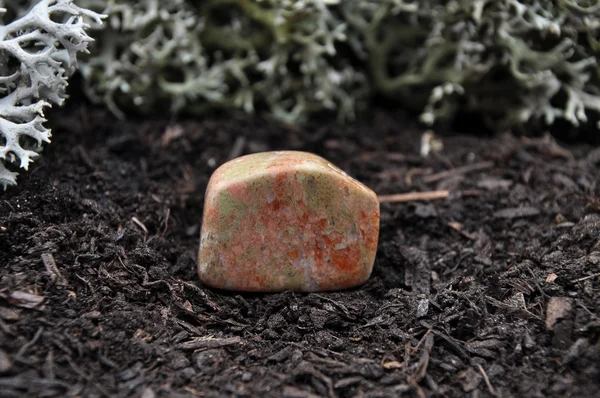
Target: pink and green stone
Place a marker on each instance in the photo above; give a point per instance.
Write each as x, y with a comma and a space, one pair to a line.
286, 220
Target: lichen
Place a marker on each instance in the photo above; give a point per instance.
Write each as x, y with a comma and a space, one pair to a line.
238, 55
514, 62
38, 51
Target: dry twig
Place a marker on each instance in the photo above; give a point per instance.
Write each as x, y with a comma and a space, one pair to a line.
486, 379
585, 278
414, 196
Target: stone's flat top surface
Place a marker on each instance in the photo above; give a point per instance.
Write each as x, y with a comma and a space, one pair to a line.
269, 163
287, 220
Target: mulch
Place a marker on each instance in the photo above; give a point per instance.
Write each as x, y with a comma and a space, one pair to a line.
492, 290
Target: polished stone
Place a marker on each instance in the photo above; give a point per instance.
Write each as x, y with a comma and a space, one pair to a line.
286, 220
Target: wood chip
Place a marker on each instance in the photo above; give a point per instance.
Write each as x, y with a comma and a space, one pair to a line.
25, 300
392, 365
557, 308
551, 277
209, 342
50, 264
8, 315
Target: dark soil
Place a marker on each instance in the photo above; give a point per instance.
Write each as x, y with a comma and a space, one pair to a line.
494, 291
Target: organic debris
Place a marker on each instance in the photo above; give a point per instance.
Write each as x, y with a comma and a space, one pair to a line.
457, 302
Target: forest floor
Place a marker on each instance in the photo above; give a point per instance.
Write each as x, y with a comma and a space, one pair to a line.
492, 291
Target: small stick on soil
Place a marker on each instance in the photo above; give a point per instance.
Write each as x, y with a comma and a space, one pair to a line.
585, 278
427, 195
418, 389
423, 361
140, 224
414, 196
457, 171
414, 350
486, 379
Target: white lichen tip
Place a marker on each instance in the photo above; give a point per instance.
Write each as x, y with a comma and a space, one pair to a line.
38, 54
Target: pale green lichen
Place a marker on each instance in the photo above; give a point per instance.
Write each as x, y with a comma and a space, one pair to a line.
514, 62
241, 55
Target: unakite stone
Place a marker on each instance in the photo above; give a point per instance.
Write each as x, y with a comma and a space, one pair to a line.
286, 220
